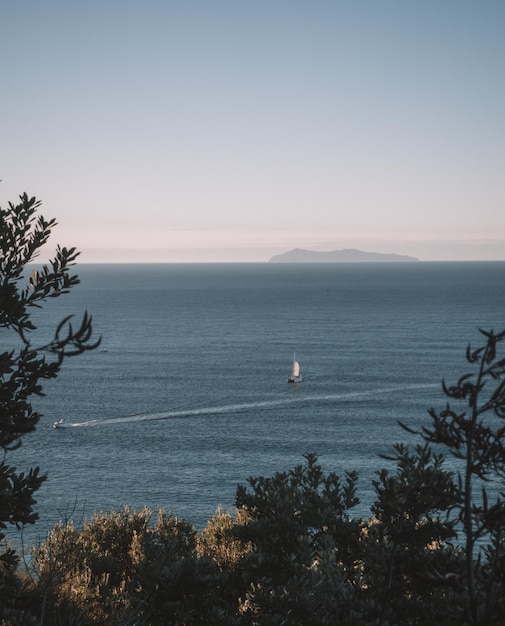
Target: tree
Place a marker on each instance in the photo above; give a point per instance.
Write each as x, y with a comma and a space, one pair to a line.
474, 434
304, 558
23, 363
408, 539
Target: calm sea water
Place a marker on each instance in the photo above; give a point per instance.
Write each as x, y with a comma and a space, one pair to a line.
188, 395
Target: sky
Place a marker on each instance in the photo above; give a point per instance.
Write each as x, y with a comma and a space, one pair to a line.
233, 130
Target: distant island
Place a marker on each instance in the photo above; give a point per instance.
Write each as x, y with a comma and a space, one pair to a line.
298, 255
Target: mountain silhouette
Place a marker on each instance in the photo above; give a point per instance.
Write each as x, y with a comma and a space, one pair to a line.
299, 255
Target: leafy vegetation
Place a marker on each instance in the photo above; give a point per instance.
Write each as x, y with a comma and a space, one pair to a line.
293, 552
24, 364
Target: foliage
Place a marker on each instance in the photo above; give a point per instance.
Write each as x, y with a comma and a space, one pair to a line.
408, 540
475, 435
303, 544
219, 542
121, 568
23, 364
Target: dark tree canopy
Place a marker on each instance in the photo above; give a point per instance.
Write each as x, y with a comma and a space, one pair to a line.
23, 368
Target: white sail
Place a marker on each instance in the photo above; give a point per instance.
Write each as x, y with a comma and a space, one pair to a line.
296, 376
296, 369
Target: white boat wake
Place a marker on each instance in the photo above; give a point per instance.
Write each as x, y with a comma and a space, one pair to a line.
240, 407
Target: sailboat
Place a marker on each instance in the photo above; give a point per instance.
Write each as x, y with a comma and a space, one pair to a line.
296, 374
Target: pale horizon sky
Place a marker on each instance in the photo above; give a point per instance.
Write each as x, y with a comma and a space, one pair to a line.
220, 130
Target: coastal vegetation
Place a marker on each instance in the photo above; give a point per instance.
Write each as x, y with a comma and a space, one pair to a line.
293, 552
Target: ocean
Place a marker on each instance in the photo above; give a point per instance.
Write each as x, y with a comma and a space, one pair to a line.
187, 395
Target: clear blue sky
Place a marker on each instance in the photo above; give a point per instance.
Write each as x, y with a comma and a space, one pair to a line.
237, 129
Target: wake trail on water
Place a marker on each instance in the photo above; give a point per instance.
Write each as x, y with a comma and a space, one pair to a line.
244, 406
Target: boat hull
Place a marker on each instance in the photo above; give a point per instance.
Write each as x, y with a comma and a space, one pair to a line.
295, 379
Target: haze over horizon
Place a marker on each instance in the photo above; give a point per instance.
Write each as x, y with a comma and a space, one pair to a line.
212, 130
